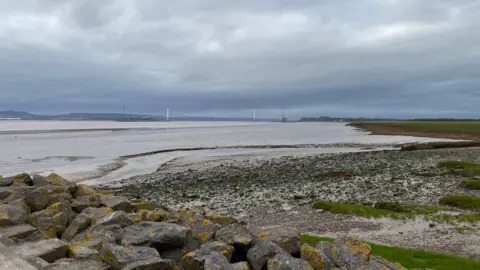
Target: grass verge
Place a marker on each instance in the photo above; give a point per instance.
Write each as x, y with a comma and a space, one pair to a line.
471, 184
410, 258
395, 210
465, 130
461, 167
462, 201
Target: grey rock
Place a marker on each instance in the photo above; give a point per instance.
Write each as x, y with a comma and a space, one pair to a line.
59, 197
220, 247
117, 203
70, 264
204, 260
96, 237
120, 256
286, 238
154, 264
170, 236
5, 182
57, 180
115, 218
21, 203
316, 257
241, 266
350, 251
81, 222
5, 192
12, 215
84, 190
81, 203
17, 231
259, 255
81, 253
53, 226
52, 189
287, 262
37, 199
49, 250
141, 233
203, 229
234, 234
20, 180
38, 180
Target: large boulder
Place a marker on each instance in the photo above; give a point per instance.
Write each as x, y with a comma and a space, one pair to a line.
83, 202
204, 260
316, 257
154, 264
21, 203
117, 203
222, 220
350, 251
234, 234
116, 218
49, 250
70, 264
84, 190
5, 192
220, 247
285, 237
59, 197
96, 237
12, 215
5, 182
240, 266
287, 262
52, 210
52, 226
39, 180
146, 215
52, 189
82, 253
57, 180
203, 229
171, 236
120, 256
84, 220
37, 199
22, 180
259, 255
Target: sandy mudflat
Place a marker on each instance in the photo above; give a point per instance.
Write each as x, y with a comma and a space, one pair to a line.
274, 191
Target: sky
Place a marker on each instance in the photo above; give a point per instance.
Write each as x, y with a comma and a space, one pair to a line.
373, 58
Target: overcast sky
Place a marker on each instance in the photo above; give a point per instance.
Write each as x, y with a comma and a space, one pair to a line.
404, 58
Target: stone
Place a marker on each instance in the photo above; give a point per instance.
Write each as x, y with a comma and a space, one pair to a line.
49, 250
37, 199
117, 203
144, 206
57, 180
84, 190
120, 256
223, 220
171, 236
5, 192
350, 251
59, 197
52, 210
12, 215
154, 264
203, 229
81, 222
204, 260
96, 237
316, 258
83, 202
379, 263
220, 247
80, 252
146, 215
259, 255
5, 182
241, 266
53, 226
115, 218
39, 180
12, 261
287, 262
234, 234
22, 180
52, 189
16, 232
286, 238
21, 203
74, 264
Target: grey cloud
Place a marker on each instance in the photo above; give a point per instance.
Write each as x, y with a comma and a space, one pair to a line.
395, 58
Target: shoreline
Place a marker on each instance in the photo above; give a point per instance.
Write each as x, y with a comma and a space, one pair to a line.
274, 191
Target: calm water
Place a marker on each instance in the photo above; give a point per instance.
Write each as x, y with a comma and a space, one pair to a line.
77, 154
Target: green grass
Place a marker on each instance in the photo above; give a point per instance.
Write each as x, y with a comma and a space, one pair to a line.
410, 258
392, 210
465, 229
461, 167
471, 184
462, 201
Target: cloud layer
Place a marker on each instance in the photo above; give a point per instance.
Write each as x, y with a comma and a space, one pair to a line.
356, 57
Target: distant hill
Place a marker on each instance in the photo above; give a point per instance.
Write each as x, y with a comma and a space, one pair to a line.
343, 119
117, 117
15, 114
